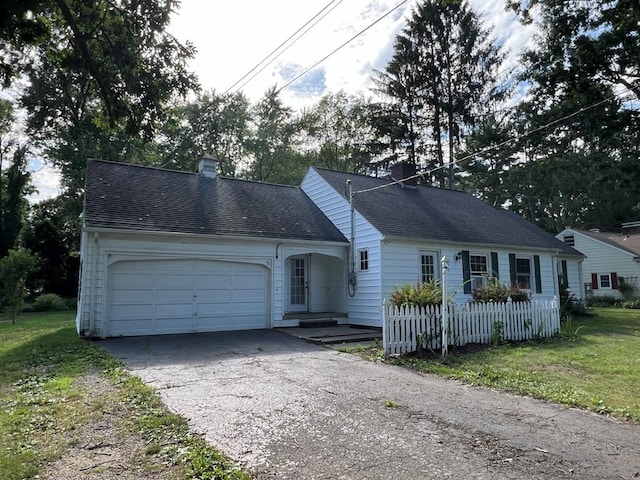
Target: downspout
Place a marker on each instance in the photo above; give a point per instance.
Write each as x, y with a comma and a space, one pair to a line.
351, 279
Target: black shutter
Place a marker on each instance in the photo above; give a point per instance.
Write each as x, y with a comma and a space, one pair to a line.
565, 274
512, 268
536, 272
495, 269
466, 271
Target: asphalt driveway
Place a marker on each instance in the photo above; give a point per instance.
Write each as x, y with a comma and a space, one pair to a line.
287, 409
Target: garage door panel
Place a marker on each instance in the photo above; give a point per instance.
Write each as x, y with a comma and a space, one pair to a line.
173, 309
213, 281
173, 266
183, 296
174, 281
123, 311
209, 266
249, 281
132, 296
127, 281
173, 295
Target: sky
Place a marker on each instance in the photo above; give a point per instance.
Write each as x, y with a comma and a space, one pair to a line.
232, 37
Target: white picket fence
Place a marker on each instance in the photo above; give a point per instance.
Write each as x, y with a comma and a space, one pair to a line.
406, 327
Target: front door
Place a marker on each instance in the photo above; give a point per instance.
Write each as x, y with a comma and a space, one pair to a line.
298, 283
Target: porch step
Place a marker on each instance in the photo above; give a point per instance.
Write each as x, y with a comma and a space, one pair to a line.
318, 323
362, 337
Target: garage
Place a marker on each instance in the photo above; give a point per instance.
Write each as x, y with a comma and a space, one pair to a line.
163, 296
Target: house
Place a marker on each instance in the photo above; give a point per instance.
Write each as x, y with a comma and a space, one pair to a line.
612, 262
172, 252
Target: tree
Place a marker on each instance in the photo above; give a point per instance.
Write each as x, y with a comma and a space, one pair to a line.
116, 52
580, 153
15, 185
443, 70
211, 124
271, 139
15, 267
597, 40
337, 133
53, 235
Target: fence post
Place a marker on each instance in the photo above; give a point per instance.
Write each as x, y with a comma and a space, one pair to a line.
445, 311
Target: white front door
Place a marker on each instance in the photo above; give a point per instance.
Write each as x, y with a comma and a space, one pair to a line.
299, 283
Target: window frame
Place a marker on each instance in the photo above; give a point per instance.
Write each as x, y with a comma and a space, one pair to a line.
601, 284
421, 265
531, 272
478, 278
363, 259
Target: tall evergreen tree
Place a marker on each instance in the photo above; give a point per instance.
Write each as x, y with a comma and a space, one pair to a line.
441, 74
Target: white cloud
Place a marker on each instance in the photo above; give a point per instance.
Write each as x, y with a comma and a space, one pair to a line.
46, 180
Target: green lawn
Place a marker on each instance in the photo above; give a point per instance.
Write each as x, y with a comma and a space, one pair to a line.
598, 369
42, 403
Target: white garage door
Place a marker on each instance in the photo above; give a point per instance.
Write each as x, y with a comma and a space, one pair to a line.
151, 297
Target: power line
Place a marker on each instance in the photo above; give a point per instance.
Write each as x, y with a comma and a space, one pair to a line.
492, 147
284, 43
341, 46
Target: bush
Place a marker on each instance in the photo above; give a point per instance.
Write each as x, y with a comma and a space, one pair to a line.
601, 301
497, 292
635, 304
49, 302
421, 294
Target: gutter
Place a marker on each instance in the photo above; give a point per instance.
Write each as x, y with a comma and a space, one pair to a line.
161, 233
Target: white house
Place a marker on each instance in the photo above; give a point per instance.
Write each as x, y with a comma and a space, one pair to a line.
172, 252
611, 258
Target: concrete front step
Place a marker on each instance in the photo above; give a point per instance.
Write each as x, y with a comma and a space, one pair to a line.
335, 334
318, 323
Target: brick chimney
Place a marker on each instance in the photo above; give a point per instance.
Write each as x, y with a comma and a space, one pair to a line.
208, 166
402, 170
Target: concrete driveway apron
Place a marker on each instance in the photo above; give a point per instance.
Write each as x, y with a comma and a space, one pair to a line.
287, 409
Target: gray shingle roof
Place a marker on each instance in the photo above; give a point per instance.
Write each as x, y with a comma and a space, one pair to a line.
141, 198
438, 214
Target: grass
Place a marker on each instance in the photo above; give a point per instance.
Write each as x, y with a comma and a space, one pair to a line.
42, 358
594, 365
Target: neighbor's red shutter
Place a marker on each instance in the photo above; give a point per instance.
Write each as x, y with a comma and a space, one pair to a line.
594, 281
614, 280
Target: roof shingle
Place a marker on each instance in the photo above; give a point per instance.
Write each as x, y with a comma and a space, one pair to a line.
441, 215
134, 197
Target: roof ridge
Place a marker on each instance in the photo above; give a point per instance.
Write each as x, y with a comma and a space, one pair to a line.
136, 165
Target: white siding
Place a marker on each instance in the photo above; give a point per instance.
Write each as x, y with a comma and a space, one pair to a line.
602, 258
365, 307
401, 264
103, 249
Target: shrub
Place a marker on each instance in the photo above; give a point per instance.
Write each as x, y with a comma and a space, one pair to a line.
421, 294
601, 301
497, 292
635, 304
49, 302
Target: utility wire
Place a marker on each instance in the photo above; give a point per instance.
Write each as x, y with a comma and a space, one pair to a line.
282, 44
341, 46
492, 147
288, 46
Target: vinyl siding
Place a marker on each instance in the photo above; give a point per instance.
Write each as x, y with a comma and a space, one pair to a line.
365, 307
401, 264
602, 258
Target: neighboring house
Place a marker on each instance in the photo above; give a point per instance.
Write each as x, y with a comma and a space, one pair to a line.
612, 259
174, 252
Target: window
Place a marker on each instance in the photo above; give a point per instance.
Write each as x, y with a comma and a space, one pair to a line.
428, 270
523, 273
605, 280
479, 271
569, 240
364, 260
